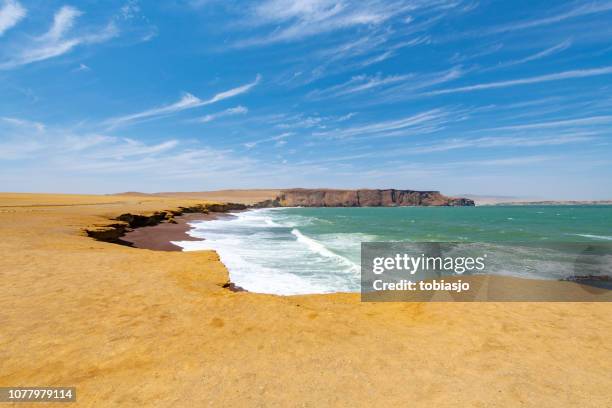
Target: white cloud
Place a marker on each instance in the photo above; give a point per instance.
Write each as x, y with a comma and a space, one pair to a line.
62, 22
298, 19
545, 53
352, 48
346, 117
187, 101
489, 142
238, 110
65, 160
55, 41
235, 91
129, 10
582, 10
280, 140
588, 121
24, 124
390, 86
11, 13
539, 55
495, 142
82, 67
302, 121
69, 161
378, 58
579, 73
360, 83
512, 161
424, 122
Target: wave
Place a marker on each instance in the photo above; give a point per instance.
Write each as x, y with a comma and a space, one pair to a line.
289, 252
604, 237
264, 256
322, 250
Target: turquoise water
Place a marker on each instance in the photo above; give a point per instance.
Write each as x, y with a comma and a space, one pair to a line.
317, 250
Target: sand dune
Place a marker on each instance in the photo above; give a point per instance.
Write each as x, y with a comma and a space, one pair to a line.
135, 327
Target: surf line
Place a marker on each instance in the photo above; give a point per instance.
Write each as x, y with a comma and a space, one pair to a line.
319, 248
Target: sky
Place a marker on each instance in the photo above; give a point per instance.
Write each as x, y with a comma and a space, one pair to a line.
462, 96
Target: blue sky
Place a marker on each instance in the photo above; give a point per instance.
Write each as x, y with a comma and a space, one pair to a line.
463, 96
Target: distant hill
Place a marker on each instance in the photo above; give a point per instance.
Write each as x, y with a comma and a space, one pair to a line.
510, 200
553, 202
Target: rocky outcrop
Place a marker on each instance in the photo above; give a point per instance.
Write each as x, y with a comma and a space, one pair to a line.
113, 232
362, 198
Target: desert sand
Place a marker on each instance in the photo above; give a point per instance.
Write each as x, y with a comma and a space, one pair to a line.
137, 327
242, 196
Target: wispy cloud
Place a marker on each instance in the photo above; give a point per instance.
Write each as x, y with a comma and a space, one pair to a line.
102, 161
424, 122
512, 161
238, 110
496, 142
346, 117
489, 142
81, 68
591, 7
367, 44
187, 101
587, 121
298, 19
390, 86
408, 89
360, 83
533, 57
23, 123
487, 50
11, 13
579, 73
305, 18
55, 41
369, 49
302, 121
280, 139
355, 47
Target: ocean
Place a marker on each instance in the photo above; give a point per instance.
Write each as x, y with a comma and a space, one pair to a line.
291, 251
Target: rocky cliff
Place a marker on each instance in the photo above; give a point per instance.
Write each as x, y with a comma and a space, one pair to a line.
362, 198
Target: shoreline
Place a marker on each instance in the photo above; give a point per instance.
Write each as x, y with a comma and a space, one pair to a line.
158, 237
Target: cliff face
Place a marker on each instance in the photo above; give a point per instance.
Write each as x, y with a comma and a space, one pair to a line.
362, 198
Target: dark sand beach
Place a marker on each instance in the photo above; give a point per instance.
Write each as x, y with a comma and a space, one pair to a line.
158, 237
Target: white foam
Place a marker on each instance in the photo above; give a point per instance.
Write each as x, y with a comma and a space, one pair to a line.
604, 237
320, 249
280, 252
263, 255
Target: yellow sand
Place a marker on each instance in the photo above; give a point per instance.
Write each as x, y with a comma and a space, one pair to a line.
242, 196
133, 327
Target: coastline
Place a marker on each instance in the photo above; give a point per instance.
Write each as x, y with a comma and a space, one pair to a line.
159, 237
168, 234
165, 316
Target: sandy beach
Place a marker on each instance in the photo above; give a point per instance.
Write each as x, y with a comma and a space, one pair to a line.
138, 327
